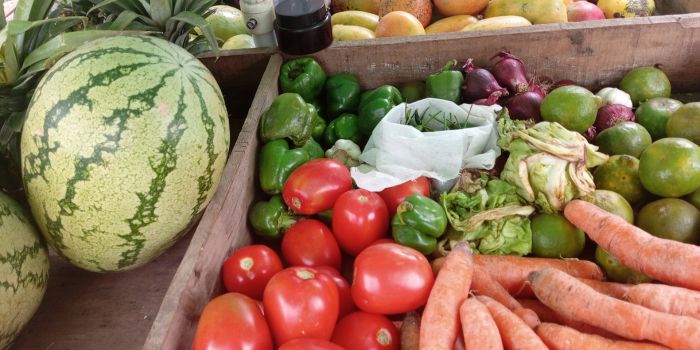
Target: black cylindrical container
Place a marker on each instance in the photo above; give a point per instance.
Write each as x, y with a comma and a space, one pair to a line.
303, 27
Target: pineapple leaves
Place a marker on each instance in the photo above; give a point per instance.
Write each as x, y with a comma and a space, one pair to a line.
17, 27
124, 20
161, 11
198, 21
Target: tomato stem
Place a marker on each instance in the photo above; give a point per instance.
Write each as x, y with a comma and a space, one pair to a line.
383, 337
305, 274
247, 263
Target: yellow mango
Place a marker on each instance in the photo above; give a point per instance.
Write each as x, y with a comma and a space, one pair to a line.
498, 23
345, 32
536, 11
356, 18
450, 24
627, 8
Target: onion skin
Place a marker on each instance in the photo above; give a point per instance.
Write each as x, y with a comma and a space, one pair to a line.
525, 106
480, 84
538, 89
510, 72
611, 115
590, 134
580, 11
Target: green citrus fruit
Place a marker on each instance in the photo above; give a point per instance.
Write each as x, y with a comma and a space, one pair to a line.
611, 202
573, 107
240, 41
645, 83
670, 167
671, 218
624, 138
685, 123
226, 21
653, 115
617, 272
694, 198
621, 174
555, 237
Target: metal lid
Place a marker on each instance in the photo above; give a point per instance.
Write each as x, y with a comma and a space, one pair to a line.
300, 14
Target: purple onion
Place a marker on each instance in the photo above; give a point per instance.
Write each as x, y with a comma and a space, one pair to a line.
510, 72
480, 84
611, 115
525, 106
590, 134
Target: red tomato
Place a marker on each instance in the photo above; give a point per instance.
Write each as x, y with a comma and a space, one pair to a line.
309, 344
310, 243
301, 302
361, 330
390, 279
248, 269
346, 304
232, 321
384, 240
394, 195
315, 186
360, 218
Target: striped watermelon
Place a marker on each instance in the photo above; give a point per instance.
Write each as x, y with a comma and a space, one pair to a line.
24, 269
125, 141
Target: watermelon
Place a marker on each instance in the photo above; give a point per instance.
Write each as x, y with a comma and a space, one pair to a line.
24, 269
124, 145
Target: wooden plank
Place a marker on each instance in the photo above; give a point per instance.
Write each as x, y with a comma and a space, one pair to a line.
677, 6
220, 231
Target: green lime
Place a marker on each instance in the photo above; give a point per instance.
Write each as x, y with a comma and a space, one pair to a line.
653, 115
611, 202
671, 218
670, 167
413, 91
645, 83
617, 272
555, 237
624, 138
573, 107
694, 198
240, 41
226, 21
685, 123
621, 174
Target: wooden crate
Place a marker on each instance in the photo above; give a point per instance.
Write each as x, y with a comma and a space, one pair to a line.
677, 6
593, 54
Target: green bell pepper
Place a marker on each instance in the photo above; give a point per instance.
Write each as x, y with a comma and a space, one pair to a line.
271, 218
303, 76
277, 161
418, 223
342, 94
319, 127
344, 127
374, 105
413, 91
288, 117
445, 84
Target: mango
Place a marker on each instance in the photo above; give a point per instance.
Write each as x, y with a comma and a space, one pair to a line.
421, 9
371, 6
499, 22
460, 7
450, 24
399, 23
347, 32
356, 18
535, 11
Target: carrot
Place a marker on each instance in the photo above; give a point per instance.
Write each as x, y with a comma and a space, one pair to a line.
575, 300
484, 284
515, 333
548, 315
615, 290
440, 322
559, 337
409, 331
478, 327
436, 264
669, 299
666, 260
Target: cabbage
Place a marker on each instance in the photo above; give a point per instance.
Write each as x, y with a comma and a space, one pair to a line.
548, 164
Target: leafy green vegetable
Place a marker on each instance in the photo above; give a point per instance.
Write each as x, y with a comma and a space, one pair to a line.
548, 164
488, 214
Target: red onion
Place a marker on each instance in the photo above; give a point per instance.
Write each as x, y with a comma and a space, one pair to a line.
580, 11
486, 101
480, 84
525, 106
537, 88
611, 115
510, 72
590, 134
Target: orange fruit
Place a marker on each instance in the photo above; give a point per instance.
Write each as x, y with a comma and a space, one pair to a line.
460, 7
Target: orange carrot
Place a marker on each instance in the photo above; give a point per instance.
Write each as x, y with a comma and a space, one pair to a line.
666, 260
615, 290
484, 284
559, 337
669, 299
515, 334
409, 331
478, 327
548, 315
440, 322
436, 264
573, 299
511, 271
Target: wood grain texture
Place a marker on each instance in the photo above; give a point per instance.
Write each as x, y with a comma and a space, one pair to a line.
677, 6
222, 229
